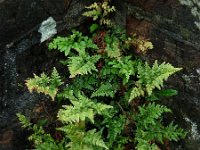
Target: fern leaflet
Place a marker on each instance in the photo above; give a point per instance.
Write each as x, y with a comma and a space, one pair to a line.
106, 89
82, 65
44, 84
82, 108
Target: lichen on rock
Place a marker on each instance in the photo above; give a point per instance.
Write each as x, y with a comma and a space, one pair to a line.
195, 9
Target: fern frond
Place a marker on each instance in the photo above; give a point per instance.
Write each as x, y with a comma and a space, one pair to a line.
94, 138
136, 92
82, 108
150, 78
24, 121
112, 46
148, 114
82, 140
76, 113
143, 144
63, 44
154, 77
76, 42
106, 89
173, 132
94, 11
82, 65
125, 66
100, 11
115, 126
149, 127
44, 84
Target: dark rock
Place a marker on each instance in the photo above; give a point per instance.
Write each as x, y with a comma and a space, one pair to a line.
176, 39
22, 54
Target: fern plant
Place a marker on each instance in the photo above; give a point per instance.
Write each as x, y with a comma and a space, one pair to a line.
150, 128
150, 78
101, 11
109, 96
44, 84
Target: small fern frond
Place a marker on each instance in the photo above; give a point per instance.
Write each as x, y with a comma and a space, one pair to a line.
125, 66
148, 114
106, 89
112, 46
115, 126
149, 127
82, 65
24, 121
94, 138
143, 144
82, 108
63, 44
154, 77
44, 84
136, 92
94, 11
80, 139
173, 132
76, 42
76, 113
100, 11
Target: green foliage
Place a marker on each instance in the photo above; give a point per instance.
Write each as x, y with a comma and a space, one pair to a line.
76, 41
115, 127
83, 140
24, 121
44, 84
109, 95
93, 27
150, 78
125, 67
162, 93
82, 65
82, 108
106, 90
41, 140
150, 128
101, 11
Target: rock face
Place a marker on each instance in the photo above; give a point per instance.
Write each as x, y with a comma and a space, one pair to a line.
167, 23
22, 54
176, 37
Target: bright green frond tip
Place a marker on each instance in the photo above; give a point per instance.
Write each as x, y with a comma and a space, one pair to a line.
106, 89
81, 109
44, 84
82, 65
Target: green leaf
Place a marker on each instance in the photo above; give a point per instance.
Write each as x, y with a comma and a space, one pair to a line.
106, 89
24, 121
44, 84
93, 27
80, 65
167, 92
81, 109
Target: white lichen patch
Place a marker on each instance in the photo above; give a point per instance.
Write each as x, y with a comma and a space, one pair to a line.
194, 129
195, 9
47, 29
198, 71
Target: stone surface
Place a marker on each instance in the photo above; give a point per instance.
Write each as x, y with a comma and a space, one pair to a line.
170, 26
22, 54
167, 23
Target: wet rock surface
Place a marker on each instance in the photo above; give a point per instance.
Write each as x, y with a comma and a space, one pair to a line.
167, 23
